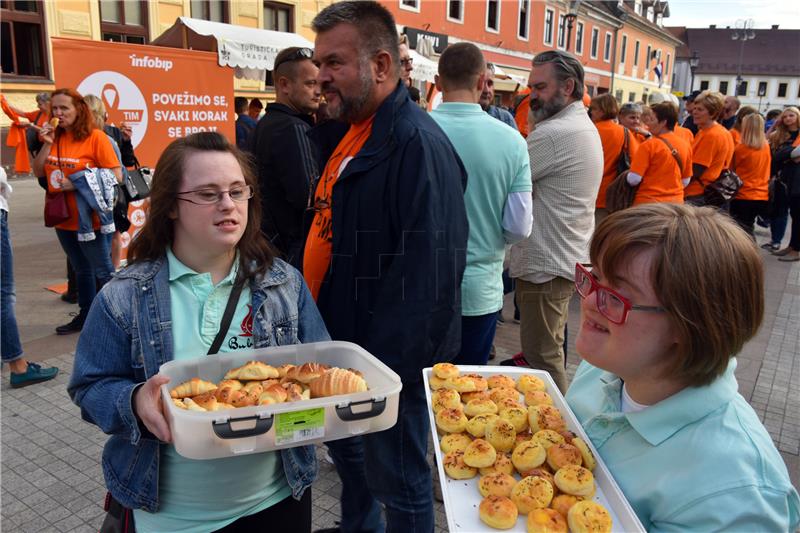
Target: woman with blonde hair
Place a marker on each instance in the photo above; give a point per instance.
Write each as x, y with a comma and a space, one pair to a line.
712, 150
783, 140
751, 161
736, 130
782, 134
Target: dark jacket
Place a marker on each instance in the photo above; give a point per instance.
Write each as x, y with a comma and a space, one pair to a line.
245, 126
287, 171
399, 243
787, 170
125, 146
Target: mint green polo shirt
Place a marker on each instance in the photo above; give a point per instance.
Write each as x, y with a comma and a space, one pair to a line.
497, 163
699, 460
202, 496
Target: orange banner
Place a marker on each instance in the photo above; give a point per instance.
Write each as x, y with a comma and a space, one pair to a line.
162, 93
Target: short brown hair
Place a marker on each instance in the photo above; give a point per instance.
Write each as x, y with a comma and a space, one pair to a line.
606, 104
713, 101
150, 244
706, 272
666, 111
460, 66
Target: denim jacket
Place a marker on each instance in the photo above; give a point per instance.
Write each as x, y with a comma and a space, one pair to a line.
128, 336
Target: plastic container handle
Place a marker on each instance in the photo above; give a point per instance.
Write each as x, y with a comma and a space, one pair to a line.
346, 412
224, 430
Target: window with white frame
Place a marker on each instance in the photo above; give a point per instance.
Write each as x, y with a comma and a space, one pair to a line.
648, 62
595, 39
562, 30
651, 14
637, 6
524, 19
660, 19
493, 15
607, 48
455, 10
549, 16
410, 5
666, 68
579, 39
636, 54
624, 50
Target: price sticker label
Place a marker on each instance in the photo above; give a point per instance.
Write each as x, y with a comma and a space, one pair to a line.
300, 426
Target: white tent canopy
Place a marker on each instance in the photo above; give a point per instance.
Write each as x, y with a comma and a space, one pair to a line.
424, 68
251, 51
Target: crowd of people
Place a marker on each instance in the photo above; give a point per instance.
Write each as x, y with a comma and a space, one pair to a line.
348, 212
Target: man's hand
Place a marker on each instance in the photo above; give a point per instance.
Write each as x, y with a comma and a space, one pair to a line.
148, 407
126, 130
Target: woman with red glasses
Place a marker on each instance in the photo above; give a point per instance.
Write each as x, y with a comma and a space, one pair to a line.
671, 297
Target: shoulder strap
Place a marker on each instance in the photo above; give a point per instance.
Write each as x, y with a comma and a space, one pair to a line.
625, 143
227, 316
673, 151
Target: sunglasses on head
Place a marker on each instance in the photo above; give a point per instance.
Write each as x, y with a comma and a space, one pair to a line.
297, 55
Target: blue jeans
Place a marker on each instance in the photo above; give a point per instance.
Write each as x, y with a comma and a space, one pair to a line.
389, 467
477, 335
90, 260
10, 345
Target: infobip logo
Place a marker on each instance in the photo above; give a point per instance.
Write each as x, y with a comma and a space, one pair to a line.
151, 62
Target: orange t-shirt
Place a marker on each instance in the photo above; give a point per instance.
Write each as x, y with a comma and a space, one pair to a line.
685, 134
712, 148
612, 136
736, 136
661, 177
68, 156
753, 166
521, 115
317, 257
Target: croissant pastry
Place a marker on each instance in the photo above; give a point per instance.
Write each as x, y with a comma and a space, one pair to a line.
191, 406
240, 398
283, 369
179, 404
297, 392
193, 387
252, 371
337, 381
253, 387
306, 372
272, 394
234, 384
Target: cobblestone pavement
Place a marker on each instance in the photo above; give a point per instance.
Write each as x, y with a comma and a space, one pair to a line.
51, 478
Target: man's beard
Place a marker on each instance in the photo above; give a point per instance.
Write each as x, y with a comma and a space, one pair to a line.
350, 108
546, 109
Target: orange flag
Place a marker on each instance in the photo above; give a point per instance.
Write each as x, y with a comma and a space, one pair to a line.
16, 137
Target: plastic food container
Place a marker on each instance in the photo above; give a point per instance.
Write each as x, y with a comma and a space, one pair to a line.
462, 498
215, 434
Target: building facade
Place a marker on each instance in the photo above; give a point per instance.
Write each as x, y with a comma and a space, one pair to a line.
28, 26
765, 68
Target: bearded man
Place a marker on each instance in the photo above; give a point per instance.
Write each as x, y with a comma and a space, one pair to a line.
566, 158
385, 255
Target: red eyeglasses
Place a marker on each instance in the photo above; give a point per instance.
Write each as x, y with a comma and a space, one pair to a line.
610, 303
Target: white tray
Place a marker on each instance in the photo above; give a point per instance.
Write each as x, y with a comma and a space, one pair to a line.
211, 435
462, 498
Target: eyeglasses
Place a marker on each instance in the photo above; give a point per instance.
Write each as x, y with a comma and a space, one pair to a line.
610, 303
213, 196
297, 55
407, 61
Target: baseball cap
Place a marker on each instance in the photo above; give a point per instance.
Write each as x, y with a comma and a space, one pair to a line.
691, 96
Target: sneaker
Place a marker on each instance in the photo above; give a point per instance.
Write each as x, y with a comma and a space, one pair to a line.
70, 297
34, 374
73, 326
771, 246
517, 360
761, 221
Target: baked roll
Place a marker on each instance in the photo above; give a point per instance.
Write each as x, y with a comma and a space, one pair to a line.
563, 502
467, 397
445, 399
529, 383
480, 382
542, 473
527, 455
283, 369
589, 517
508, 403
451, 420
308, 372
559, 455
273, 394
191, 405
193, 387
454, 442
518, 416
498, 512
479, 454
496, 484
335, 381
500, 380
545, 417
501, 464
456, 468
574, 479
501, 434
476, 426
548, 437
480, 407
253, 387
436, 383
445, 370
500, 393
538, 397
207, 401
532, 493
252, 371
586, 453
461, 384
546, 521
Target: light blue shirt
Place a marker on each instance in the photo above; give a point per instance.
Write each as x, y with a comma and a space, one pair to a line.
699, 460
502, 115
497, 163
202, 496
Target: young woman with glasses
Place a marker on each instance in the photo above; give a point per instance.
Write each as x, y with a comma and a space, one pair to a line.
671, 297
201, 244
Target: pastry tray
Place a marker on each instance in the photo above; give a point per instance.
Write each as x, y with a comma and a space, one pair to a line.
462, 498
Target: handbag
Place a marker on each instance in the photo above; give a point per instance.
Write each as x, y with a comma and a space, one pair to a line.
723, 189
624, 161
56, 210
137, 182
620, 194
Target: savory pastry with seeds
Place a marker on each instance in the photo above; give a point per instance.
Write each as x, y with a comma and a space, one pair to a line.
532, 493
589, 517
498, 512
479, 454
496, 484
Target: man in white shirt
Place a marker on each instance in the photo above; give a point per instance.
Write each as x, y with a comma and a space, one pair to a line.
566, 158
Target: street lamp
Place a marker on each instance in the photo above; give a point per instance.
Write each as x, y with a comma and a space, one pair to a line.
571, 15
743, 32
694, 62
